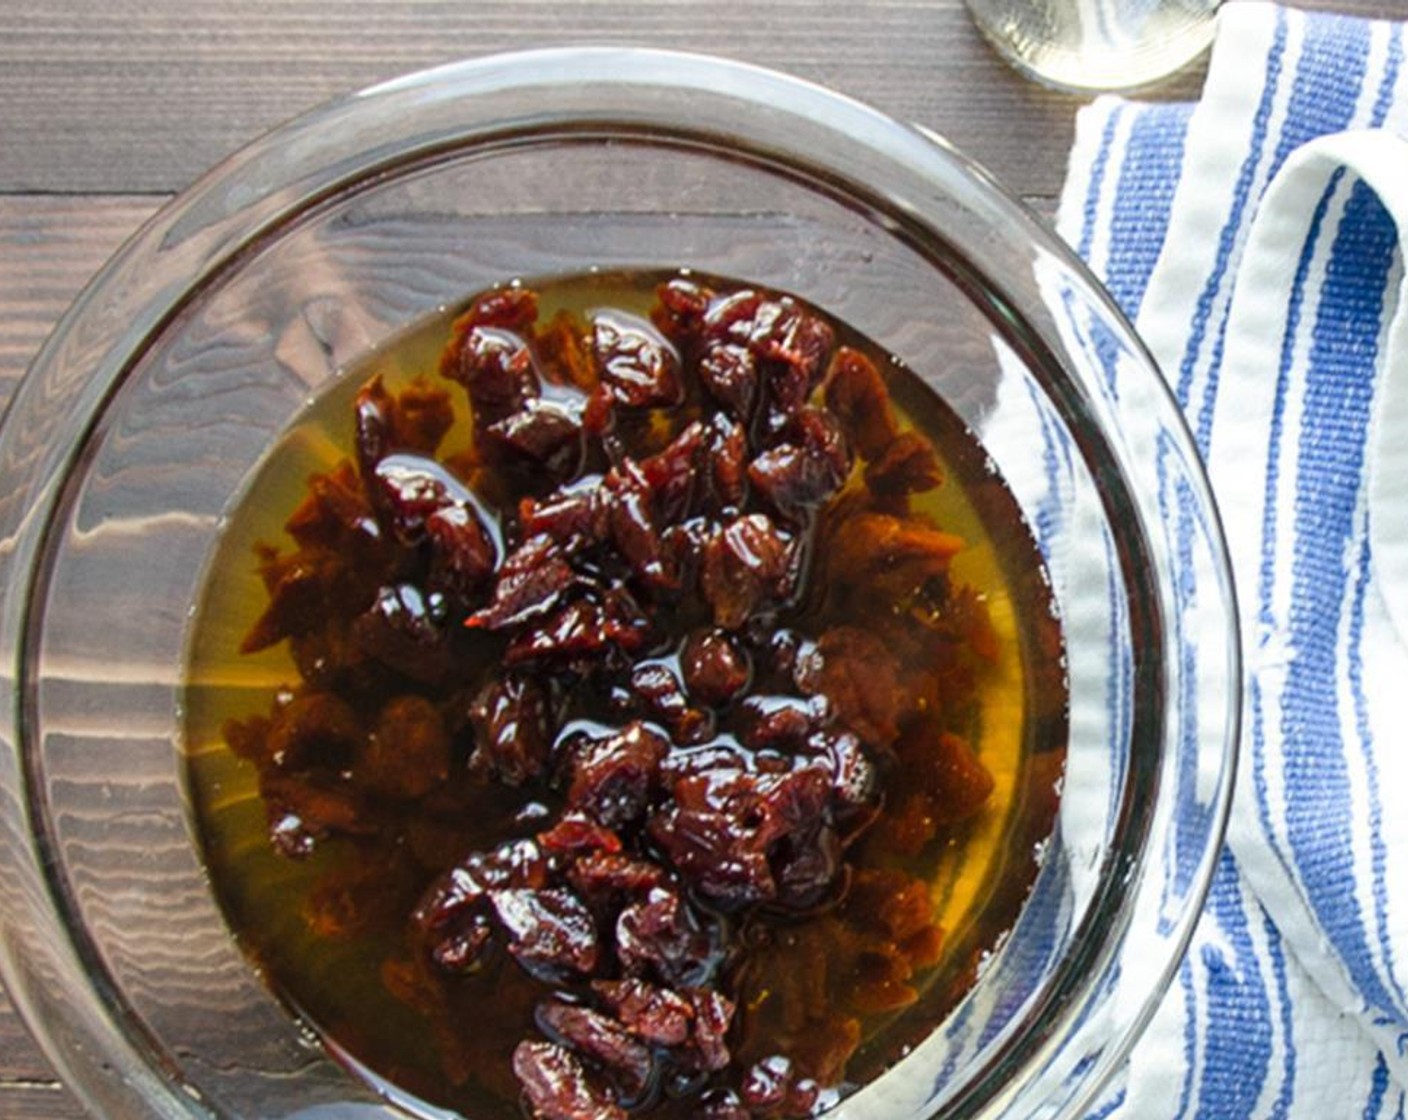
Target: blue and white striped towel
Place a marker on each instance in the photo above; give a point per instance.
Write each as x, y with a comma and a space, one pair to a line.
1255, 240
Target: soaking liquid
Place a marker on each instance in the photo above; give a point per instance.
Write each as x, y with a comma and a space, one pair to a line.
328, 929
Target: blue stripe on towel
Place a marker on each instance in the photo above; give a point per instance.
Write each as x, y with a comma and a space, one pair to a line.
1338, 397
1194, 814
1389, 84
1324, 93
1139, 219
1190, 1036
1240, 196
1378, 1090
1097, 182
1377, 848
1277, 953
1237, 1042
1266, 619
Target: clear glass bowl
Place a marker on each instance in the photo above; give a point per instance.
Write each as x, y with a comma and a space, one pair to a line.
167, 381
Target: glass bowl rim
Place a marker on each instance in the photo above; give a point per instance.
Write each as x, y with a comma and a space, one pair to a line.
255, 193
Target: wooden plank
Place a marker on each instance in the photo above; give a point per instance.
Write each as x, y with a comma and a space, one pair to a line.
49, 247
20, 1057
142, 95
38, 1100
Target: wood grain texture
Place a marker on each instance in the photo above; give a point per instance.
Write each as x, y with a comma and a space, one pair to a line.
37, 1100
123, 97
49, 248
107, 108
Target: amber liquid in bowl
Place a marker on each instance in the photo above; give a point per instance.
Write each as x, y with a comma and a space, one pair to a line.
396, 766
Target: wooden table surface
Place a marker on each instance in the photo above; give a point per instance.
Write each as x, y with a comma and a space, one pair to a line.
107, 109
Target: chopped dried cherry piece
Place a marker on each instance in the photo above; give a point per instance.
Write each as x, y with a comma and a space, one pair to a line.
408, 752
375, 439
680, 307
960, 783
747, 565
924, 947
860, 677
800, 343
732, 315
807, 468
514, 308
715, 668
577, 833
670, 473
633, 527
421, 417
766, 1083
613, 778
576, 630
907, 466
465, 948
686, 543
455, 901
880, 980
565, 355
405, 630
304, 809
730, 373
774, 1087
700, 840
855, 784
746, 330
513, 729
416, 420
406, 489
857, 396
625, 621
638, 367
777, 722
496, 368
538, 432
332, 658
658, 1015
889, 902
603, 1041
601, 876
248, 738
337, 516
532, 580
727, 456
888, 557
663, 698
318, 730
807, 867
584, 629
550, 932
721, 1104
786, 332
556, 1086
575, 518
462, 554
713, 1013
779, 650
298, 588
721, 826
661, 934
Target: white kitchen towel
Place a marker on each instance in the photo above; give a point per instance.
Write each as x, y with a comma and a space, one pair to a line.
1255, 239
